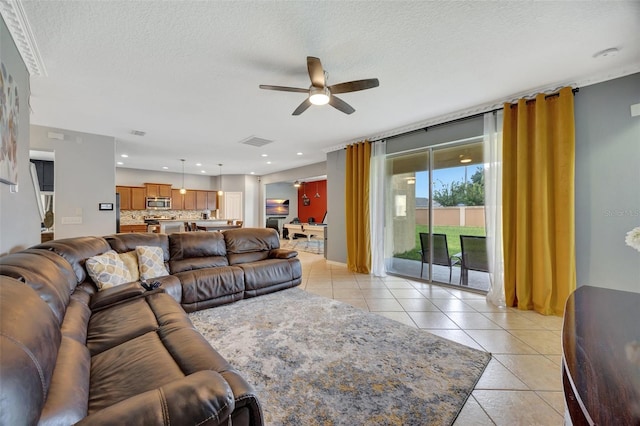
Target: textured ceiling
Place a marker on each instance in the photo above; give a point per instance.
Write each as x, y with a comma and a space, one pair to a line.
187, 73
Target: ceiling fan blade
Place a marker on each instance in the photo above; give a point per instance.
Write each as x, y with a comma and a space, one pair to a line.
302, 107
354, 86
341, 105
316, 72
284, 88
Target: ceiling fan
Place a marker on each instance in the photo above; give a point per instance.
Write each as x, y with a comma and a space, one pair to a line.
320, 93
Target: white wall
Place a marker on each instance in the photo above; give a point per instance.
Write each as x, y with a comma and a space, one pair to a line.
607, 184
84, 177
19, 217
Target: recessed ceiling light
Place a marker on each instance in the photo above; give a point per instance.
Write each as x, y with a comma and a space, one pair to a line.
165, 167
198, 164
268, 162
124, 155
612, 51
119, 163
202, 171
299, 153
264, 155
252, 173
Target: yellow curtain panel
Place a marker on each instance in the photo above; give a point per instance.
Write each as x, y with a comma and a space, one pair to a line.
538, 202
357, 207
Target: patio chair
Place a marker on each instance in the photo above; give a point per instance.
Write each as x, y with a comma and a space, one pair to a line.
474, 256
440, 252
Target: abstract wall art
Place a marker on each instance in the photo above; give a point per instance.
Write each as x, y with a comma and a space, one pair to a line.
9, 115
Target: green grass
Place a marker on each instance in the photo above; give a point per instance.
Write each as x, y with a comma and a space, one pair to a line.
453, 238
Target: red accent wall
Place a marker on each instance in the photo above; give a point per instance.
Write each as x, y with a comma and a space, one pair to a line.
317, 206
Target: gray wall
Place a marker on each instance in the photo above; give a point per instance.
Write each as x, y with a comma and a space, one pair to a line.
607, 184
137, 177
85, 175
19, 217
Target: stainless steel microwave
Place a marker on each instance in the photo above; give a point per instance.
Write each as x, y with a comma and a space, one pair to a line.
158, 203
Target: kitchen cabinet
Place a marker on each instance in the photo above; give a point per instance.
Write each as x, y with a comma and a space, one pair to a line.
138, 201
132, 197
177, 200
201, 200
212, 200
125, 197
133, 228
190, 200
158, 190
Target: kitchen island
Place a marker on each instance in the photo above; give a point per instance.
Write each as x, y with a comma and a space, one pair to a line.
169, 226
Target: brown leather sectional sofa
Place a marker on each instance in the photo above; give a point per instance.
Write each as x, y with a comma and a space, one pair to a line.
71, 354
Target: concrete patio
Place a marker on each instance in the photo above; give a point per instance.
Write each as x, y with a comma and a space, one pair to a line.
411, 268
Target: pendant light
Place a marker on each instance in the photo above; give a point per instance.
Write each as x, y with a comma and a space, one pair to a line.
220, 192
317, 193
182, 190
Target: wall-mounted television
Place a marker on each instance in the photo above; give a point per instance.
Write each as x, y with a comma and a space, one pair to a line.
277, 207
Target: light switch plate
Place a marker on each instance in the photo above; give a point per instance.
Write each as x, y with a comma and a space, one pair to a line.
72, 220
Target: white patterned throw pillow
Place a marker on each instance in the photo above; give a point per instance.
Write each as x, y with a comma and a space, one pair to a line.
107, 270
151, 262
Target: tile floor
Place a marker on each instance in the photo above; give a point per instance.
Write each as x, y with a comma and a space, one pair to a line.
522, 384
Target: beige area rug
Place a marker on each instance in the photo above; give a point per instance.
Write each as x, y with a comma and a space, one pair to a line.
317, 361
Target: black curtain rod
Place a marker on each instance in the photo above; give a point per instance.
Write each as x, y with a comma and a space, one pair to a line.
469, 117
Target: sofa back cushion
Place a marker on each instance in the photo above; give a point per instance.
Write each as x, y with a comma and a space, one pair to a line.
76, 251
29, 342
51, 276
250, 244
196, 250
123, 243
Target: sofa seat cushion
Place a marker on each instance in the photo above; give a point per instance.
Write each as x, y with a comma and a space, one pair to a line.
260, 277
126, 321
208, 287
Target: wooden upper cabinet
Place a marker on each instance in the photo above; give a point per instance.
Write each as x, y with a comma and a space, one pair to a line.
201, 200
212, 200
138, 196
177, 200
158, 190
190, 200
125, 197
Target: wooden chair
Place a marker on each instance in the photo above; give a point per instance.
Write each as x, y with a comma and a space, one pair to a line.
194, 226
239, 223
474, 256
187, 227
440, 252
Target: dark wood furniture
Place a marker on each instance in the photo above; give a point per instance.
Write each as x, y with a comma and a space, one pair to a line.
600, 376
219, 227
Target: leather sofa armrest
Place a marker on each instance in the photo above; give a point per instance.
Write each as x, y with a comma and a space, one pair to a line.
282, 254
117, 294
203, 397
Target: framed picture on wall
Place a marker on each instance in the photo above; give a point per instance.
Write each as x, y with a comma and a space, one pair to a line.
10, 115
306, 201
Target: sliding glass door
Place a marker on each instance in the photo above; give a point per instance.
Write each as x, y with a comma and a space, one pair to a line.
436, 199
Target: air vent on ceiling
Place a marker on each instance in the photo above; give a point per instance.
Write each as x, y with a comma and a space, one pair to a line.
138, 133
254, 141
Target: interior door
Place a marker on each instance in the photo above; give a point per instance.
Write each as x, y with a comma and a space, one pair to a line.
232, 205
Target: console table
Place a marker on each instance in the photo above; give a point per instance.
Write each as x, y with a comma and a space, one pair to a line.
600, 365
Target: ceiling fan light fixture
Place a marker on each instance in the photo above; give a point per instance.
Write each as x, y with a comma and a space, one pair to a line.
296, 184
319, 95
